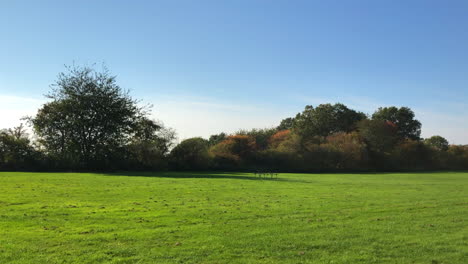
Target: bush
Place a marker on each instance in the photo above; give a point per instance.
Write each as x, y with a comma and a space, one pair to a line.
346, 151
191, 154
458, 157
16, 151
437, 142
413, 155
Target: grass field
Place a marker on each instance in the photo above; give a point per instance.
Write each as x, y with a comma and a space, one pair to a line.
233, 218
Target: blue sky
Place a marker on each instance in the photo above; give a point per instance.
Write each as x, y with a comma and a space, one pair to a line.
212, 66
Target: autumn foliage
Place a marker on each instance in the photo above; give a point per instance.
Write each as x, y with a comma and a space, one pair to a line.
329, 137
279, 137
367, 144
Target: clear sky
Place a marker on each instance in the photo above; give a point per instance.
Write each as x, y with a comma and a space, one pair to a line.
212, 66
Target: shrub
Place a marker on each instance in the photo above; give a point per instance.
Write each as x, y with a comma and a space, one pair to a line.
413, 155
234, 151
346, 151
191, 154
16, 151
437, 142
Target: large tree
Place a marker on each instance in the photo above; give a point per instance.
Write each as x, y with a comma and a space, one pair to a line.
89, 119
286, 123
437, 142
150, 145
403, 117
326, 119
380, 136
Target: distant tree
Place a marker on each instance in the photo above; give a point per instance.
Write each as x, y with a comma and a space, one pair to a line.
279, 137
345, 151
18, 133
215, 139
149, 145
16, 151
380, 136
413, 155
90, 118
287, 123
234, 150
326, 119
438, 143
403, 118
191, 154
240, 145
261, 136
458, 157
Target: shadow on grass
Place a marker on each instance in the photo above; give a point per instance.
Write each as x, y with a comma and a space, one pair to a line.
204, 175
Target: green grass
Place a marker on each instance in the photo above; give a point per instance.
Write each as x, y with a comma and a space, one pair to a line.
233, 218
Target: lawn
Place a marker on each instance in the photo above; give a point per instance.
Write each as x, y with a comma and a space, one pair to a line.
233, 218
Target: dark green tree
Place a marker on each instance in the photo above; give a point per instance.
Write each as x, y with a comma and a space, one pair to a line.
89, 120
437, 142
413, 155
286, 123
261, 136
326, 119
215, 139
403, 118
149, 146
380, 136
191, 154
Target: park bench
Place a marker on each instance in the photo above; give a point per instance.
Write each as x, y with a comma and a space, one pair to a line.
262, 175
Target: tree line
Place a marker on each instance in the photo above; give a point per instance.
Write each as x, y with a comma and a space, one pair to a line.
91, 123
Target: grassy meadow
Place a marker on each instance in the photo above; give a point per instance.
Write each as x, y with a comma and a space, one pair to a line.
233, 218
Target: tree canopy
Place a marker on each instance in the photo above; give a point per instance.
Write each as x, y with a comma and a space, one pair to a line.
90, 119
191, 154
326, 119
437, 142
403, 117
